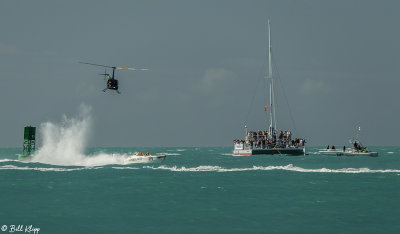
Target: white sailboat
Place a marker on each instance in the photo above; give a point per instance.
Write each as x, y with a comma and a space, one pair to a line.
271, 141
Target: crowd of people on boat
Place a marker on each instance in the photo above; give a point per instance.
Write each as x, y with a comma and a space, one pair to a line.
265, 140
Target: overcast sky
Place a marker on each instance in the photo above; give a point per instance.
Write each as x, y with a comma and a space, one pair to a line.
338, 63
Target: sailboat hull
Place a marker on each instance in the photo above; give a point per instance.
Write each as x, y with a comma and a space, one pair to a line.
280, 151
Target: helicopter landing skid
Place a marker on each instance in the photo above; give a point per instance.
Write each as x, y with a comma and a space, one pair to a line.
114, 89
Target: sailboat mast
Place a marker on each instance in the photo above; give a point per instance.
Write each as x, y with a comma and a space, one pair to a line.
271, 87
269, 52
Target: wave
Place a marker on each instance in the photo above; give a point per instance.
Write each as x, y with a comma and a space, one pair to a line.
170, 154
289, 167
124, 168
210, 168
8, 160
12, 167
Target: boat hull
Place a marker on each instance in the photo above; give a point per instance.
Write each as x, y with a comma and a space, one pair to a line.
347, 153
281, 151
145, 159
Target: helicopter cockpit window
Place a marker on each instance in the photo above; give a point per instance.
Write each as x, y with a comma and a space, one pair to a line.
112, 84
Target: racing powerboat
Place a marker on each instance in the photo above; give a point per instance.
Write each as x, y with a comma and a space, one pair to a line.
139, 158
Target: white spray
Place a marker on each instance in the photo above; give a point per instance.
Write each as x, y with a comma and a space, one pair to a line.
65, 143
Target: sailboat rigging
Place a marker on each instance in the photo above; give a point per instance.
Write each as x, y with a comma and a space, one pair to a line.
270, 141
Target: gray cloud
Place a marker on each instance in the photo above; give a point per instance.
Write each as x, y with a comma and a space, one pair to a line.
9, 50
313, 87
338, 63
213, 79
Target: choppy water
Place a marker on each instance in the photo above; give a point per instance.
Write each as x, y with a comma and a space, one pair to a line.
202, 190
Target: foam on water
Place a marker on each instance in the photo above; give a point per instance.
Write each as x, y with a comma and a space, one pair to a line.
289, 167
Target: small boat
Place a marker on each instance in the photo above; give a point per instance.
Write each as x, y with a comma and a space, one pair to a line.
353, 152
357, 150
270, 141
139, 158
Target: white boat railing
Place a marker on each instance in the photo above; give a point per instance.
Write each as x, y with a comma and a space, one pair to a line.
241, 146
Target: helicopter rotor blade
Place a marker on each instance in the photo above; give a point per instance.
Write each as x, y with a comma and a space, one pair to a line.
99, 65
133, 69
120, 68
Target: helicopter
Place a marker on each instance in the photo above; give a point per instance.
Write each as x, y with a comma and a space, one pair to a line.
112, 83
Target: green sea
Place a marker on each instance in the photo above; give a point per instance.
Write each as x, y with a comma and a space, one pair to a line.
203, 190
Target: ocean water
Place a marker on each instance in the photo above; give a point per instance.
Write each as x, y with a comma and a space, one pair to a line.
199, 190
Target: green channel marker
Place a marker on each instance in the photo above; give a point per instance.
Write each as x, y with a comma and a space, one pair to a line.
28, 147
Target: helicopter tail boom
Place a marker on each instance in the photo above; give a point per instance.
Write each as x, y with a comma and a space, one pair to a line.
133, 69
